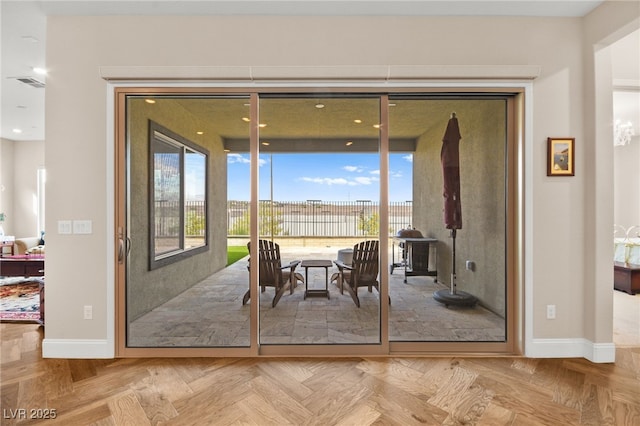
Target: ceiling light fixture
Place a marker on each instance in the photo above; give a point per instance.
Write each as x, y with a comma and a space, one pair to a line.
246, 119
265, 143
150, 101
17, 130
377, 126
349, 143
319, 105
200, 132
262, 125
39, 70
357, 121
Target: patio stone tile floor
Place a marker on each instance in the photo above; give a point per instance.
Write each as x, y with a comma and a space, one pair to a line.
211, 313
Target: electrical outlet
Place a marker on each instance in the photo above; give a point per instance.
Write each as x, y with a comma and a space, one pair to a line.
88, 312
551, 311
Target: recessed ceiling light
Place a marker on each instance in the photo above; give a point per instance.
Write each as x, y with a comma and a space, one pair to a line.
17, 130
349, 143
150, 101
200, 132
377, 126
392, 104
357, 121
262, 125
319, 105
265, 143
39, 70
246, 119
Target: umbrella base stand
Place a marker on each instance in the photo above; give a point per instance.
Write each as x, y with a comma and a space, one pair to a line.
459, 298
452, 296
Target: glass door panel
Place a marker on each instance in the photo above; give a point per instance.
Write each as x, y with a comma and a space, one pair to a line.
188, 197
319, 164
319, 196
421, 258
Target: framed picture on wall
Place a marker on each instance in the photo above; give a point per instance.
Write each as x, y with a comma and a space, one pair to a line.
560, 156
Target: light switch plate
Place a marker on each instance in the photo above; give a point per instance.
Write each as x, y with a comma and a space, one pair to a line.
82, 227
64, 227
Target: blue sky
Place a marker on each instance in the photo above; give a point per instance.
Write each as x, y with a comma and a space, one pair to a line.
326, 177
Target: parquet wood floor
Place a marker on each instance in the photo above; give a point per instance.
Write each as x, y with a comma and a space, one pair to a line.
313, 391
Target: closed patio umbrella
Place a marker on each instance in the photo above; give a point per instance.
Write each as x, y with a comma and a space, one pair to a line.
450, 159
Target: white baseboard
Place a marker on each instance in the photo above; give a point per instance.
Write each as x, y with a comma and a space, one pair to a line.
537, 348
571, 348
77, 348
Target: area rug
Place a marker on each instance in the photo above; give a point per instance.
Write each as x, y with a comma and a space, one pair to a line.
20, 302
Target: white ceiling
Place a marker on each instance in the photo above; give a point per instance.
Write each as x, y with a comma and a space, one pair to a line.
24, 34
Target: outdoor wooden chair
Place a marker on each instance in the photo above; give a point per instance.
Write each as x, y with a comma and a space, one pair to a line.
363, 271
272, 273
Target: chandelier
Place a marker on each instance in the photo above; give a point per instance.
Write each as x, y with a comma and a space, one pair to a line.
622, 133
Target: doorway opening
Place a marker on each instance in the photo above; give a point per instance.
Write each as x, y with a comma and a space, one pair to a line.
313, 179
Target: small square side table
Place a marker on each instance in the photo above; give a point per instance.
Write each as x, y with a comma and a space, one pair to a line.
316, 263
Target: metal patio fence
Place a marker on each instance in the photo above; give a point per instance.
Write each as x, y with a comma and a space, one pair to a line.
317, 218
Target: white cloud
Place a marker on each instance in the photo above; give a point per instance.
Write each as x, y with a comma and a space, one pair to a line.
327, 181
409, 158
237, 158
362, 180
352, 169
375, 172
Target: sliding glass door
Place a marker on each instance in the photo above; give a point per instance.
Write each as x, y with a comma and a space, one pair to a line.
291, 222
319, 197
185, 278
448, 273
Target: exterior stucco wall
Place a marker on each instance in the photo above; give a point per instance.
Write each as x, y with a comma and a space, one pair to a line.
148, 289
482, 238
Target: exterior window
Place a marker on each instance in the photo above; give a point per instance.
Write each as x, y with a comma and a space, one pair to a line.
178, 197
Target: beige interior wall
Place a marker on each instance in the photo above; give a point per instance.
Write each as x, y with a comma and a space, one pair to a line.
6, 184
19, 186
28, 158
148, 289
482, 238
627, 184
77, 126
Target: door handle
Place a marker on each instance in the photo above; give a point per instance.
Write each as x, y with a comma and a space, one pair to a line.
124, 245
124, 248
120, 250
